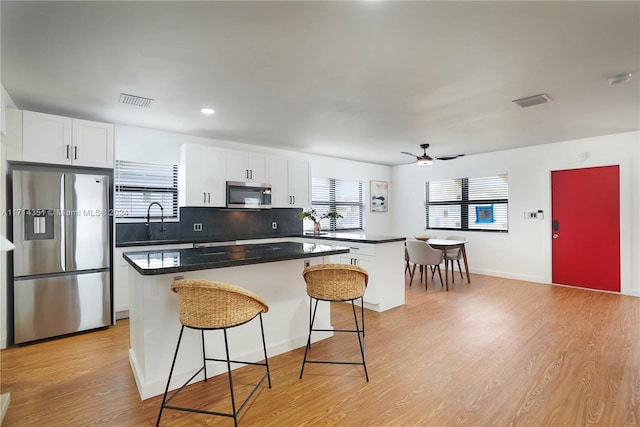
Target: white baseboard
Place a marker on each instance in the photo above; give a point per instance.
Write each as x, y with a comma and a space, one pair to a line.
507, 275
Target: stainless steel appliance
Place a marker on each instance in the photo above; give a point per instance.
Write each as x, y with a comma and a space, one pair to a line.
248, 195
61, 226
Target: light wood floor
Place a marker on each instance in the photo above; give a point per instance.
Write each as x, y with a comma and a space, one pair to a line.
497, 352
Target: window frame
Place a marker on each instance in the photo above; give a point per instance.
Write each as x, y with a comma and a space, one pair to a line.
333, 205
465, 204
170, 213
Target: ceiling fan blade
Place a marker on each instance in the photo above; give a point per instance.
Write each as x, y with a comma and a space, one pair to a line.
410, 154
449, 157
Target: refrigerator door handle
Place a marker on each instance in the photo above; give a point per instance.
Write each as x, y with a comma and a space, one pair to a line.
62, 247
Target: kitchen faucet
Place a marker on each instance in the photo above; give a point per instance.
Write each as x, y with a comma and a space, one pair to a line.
148, 224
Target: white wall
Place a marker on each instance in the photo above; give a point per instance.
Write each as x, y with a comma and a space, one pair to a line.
5, 101
153, 146
525, 252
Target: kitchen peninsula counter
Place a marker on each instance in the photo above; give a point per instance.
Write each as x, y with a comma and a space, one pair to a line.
354, 237
271, 270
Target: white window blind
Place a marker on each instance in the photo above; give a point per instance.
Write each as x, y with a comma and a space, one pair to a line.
480, 204
137, 185
337, 195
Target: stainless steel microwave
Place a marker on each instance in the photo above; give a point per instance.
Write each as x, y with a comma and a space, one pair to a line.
248, 195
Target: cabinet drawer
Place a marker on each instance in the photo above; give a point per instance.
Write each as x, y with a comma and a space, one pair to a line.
355, 248
358, 248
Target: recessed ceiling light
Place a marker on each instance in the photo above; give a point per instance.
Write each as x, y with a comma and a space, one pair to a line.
620, 78
207, 110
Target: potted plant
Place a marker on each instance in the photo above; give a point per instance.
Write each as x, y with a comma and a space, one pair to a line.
313, 215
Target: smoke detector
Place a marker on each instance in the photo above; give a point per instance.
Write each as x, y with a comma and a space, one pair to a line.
530, 101
136, 101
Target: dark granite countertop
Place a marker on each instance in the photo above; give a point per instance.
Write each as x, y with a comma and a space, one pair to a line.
346, 237
355, 237
164, 261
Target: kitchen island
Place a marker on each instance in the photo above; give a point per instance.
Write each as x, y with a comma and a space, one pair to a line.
273, 271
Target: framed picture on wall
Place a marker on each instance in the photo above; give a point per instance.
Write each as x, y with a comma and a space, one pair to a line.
379, 196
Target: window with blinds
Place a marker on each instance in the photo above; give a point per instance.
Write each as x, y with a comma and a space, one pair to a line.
337, 195
469, 204
137, 185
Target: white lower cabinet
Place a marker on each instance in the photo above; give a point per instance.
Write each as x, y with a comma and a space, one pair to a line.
121, 275
368, 263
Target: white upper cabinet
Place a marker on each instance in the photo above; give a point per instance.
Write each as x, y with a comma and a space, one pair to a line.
290, 182
92, 144
299, 183
201, 176
48, 138
246, 166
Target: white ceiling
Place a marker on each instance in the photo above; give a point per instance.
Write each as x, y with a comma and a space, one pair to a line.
357, 80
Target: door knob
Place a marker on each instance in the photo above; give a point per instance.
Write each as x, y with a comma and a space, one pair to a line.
555, 236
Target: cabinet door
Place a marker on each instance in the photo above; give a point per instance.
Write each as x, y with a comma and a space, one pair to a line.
245, 166
299, 183
257, 168
237, 165
214, 179
92, 144
279, 180
367, 263
201, 176
46, 138
191, 175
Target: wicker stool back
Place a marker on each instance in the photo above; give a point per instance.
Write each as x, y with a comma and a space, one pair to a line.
335, 282
205, 304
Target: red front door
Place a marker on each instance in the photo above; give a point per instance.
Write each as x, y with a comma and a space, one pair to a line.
586, 227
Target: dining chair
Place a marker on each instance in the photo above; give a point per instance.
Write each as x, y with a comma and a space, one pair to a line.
420, 253
407, 266
454, 255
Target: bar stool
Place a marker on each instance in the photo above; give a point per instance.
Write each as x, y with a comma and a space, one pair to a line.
336, 282
207, 305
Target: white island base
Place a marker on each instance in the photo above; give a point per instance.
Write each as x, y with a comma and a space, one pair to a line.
154, 323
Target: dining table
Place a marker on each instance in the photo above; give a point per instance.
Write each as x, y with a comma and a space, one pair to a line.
444, 245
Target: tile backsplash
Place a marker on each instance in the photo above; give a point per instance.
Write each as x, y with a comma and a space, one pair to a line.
218, 224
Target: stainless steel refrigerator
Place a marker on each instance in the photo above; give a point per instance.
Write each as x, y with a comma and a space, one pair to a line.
61, 263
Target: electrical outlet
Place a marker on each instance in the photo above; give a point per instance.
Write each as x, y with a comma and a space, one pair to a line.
307, 263
274, 225
197, 227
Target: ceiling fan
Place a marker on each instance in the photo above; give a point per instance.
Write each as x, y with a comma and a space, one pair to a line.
426, 159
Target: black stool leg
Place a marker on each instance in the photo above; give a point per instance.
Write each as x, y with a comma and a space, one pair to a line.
233, 399
360, 339
264, 346
204, 357
173, 364
312, 318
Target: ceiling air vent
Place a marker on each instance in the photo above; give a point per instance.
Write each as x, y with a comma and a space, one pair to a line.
136, 101
530, 101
